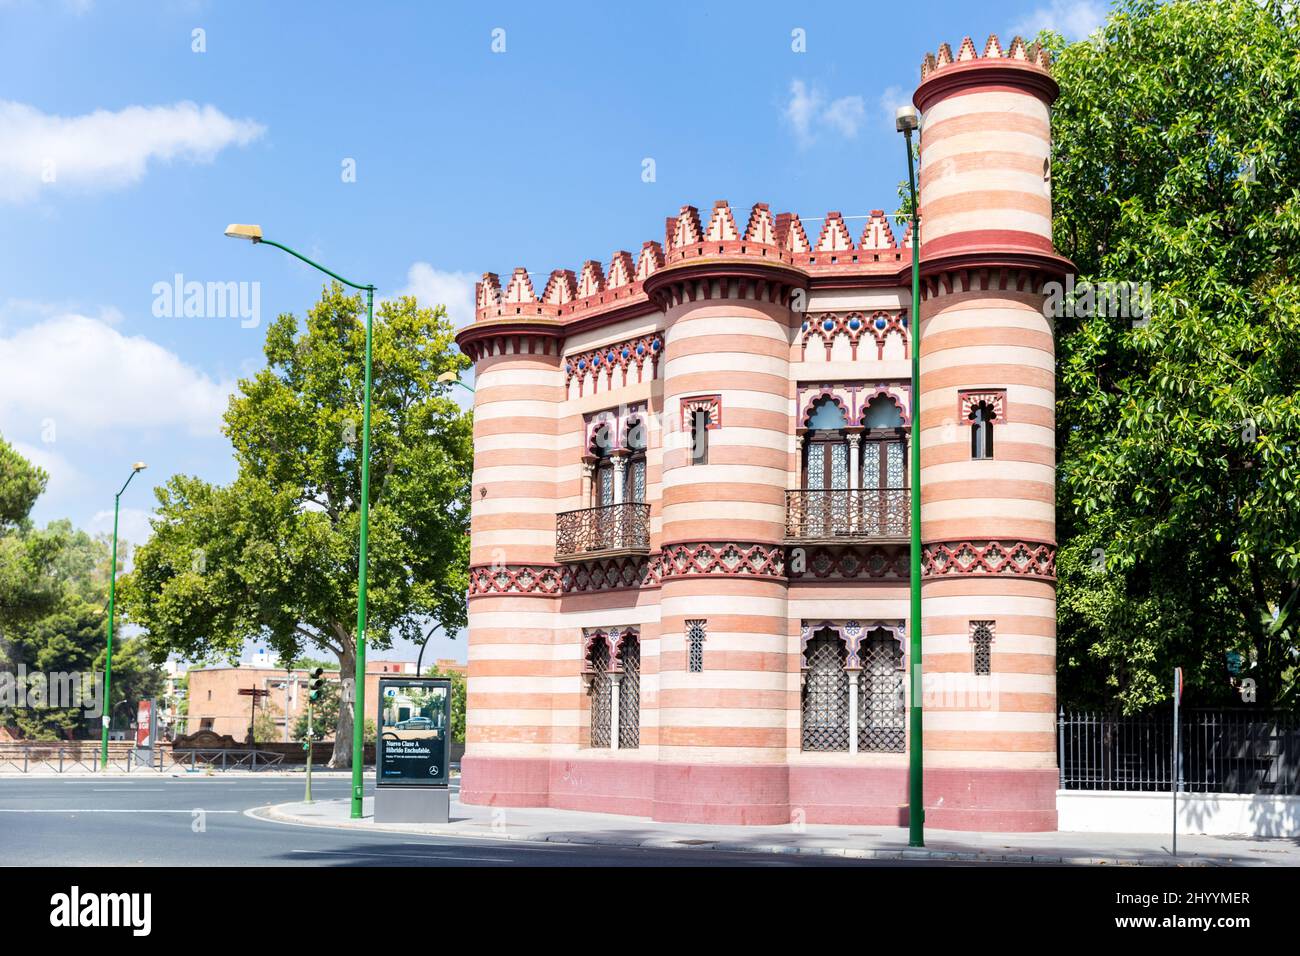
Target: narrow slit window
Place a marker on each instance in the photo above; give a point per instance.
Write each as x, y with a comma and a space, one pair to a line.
700, 437
981, 431
981, 636
695, 646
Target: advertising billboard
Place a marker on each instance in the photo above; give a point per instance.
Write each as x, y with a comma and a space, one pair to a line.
414, 732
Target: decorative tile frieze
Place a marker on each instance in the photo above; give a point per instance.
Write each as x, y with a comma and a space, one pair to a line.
1030, 559
871, 328
847, 563
613, 365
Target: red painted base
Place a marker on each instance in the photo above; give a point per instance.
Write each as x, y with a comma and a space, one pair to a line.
996, 801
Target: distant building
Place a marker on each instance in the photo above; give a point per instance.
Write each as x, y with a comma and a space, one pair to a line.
215, 703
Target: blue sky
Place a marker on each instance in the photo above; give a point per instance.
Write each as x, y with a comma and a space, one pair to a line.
124, 153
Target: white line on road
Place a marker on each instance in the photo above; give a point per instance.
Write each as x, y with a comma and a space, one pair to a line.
107, 810
410, 856
116, 789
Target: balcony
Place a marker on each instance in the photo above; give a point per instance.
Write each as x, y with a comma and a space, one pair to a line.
847, 514
602, 532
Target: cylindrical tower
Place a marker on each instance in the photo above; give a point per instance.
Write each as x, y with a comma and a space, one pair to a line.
514, 583
987, 439
728, 394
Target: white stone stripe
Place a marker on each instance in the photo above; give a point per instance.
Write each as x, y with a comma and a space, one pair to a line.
729, 362
980, 607
961, 356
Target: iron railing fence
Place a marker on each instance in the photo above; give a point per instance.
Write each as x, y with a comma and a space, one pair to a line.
162, 759
1222, 751
609, 528
812, 514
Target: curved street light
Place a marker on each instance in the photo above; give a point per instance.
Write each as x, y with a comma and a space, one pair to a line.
253, 233
908, 121
106, 718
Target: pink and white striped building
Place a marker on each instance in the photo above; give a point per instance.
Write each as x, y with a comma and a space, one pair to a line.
689, 585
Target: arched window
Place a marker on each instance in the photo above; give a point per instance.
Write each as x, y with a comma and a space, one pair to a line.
629, 693
884, 469
881, 707
825, 694
981, 430
602, 443
826, 469
598, 685
634, 480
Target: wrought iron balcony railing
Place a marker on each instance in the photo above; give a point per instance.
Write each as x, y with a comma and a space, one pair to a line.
853, 513
590, 532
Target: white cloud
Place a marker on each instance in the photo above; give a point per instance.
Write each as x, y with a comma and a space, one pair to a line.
890, 100
66, 481
82, 374
845, 115
132, 526
103, 149
433, 287
1073, 19
808, 113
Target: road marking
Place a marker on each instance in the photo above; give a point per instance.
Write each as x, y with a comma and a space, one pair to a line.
107, 810
115, 789
409, 856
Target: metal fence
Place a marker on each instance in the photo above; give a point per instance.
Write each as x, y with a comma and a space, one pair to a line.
1222, 751
162, 759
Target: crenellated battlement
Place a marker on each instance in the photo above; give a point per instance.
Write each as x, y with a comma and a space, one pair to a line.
1028, 54
688, 238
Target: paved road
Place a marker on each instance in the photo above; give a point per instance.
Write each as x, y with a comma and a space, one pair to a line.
117, 821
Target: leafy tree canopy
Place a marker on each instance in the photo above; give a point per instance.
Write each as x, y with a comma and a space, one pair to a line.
273, 556
1175, 163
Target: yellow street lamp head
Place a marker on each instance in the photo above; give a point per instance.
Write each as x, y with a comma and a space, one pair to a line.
906, 120
448, 377
139, 466
240, 230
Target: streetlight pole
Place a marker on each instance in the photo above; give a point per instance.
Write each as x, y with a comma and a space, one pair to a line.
907, 121
107, 717
254, 234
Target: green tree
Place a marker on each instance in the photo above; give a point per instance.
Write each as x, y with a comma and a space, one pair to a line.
71, 637
29, 583
265, 728
1175, 163
273, 556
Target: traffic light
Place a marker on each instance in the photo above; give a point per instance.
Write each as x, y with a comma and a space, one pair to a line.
316, 687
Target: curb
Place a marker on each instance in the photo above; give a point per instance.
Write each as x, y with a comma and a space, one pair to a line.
273, 813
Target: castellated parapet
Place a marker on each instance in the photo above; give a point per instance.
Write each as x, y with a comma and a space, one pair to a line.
690, 524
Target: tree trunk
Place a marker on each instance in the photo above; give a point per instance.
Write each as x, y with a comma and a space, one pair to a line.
341, 759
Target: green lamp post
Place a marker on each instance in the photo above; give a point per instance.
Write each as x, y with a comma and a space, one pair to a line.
107, 718
253, 233
907, 122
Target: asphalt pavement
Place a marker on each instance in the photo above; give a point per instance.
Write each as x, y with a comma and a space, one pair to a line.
201, 821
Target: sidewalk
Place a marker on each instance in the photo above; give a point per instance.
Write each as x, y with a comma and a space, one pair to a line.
855, 842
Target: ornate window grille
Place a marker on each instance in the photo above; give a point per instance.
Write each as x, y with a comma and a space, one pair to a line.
695, 646
598, 690
981, 636
881, 708
629, 695
825, 695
